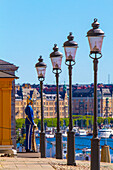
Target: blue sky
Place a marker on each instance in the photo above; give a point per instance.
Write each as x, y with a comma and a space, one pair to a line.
30, 28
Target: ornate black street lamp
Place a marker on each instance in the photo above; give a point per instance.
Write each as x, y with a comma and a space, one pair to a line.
70, 48
56, 59
41, 69
95, 38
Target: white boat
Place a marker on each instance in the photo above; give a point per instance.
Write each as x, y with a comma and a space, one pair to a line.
84, 155
105, 133
64, 134
76, 130
49, 134
37, 133
82, 132
64, 153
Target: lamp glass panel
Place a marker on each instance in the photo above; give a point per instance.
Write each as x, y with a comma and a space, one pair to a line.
56, 62
41, 71
95, 43
70, 53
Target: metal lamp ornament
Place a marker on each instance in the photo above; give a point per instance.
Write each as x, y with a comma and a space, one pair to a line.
70, 48
41, 70
56, 59
95, 38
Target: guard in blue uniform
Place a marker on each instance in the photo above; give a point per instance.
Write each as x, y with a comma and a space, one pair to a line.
29, 123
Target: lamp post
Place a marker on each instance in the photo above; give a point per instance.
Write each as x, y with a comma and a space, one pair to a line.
56, 59
95, 38
70, 48
41, 69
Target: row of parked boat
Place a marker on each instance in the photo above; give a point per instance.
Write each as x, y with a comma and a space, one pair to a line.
49, 133
102, 133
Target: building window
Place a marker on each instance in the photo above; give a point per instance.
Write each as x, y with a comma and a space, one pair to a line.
98, 105
46, 114
50, 103
98, 100
34, 102
51, 113
45, 108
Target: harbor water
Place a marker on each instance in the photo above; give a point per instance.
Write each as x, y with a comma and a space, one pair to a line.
81, 142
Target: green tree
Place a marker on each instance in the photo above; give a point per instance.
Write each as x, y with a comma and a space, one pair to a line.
19, 123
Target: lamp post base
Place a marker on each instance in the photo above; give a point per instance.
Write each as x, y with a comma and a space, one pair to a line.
95, 154
42, 144
59, 145
71, 148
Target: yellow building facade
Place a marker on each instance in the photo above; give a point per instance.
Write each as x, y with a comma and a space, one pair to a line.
5, 110
107, 103
107, 106
49, 102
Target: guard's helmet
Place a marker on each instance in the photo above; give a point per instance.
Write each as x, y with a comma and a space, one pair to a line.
29, 100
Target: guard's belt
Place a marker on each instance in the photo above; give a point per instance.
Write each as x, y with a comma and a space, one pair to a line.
28, 119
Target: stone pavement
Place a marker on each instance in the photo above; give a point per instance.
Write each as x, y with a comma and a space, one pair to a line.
24, 163
80, 165
45, 163
28, 155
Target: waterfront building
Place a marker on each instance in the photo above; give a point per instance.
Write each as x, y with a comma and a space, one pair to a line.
21, 100
49, 99
83, 100
107, 103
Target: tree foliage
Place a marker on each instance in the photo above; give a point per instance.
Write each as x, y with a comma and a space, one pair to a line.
79, 120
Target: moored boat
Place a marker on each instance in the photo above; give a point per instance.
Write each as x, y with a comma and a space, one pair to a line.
84, 155
76, 130
105, 133
89, 133
82, 132
37, 133
49, 134
64, 134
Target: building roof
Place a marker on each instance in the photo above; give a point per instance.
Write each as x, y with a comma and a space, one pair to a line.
52, 96
82, 92
18, 99
6, 75
6, 66
106, 92
2, 62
